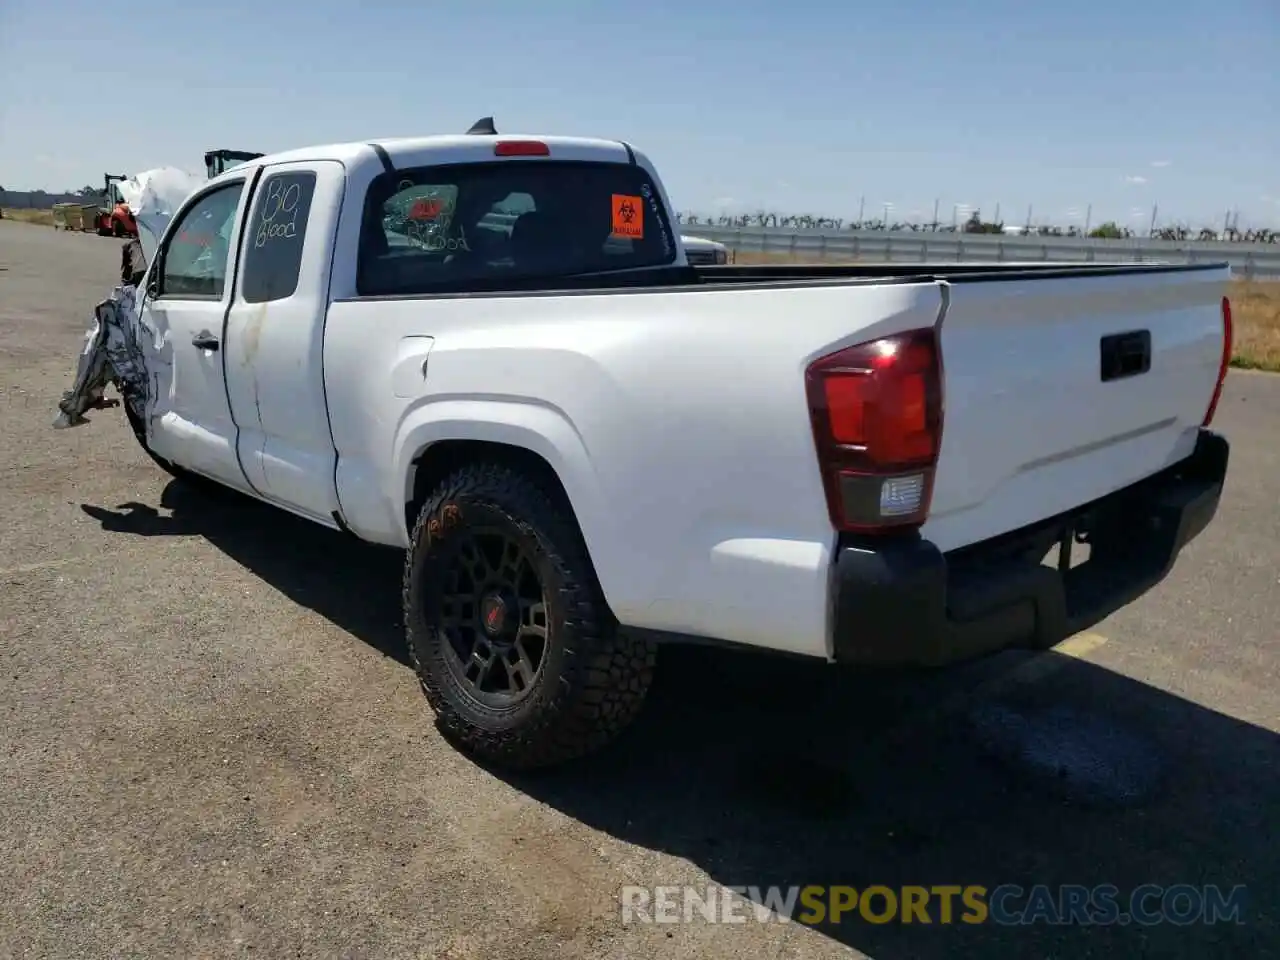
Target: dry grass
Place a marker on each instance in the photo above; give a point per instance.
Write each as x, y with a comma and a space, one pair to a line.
1255, 309
42, 217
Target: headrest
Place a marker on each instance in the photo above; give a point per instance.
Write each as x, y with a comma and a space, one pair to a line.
536, 237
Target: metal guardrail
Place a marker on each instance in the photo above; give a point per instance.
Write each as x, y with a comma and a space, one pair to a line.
1252, 261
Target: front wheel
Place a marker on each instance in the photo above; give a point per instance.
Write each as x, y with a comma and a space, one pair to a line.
507, 628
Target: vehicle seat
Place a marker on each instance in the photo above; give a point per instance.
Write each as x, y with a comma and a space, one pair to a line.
374, 239
536, 241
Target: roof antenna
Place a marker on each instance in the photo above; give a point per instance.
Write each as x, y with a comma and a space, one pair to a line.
483, 127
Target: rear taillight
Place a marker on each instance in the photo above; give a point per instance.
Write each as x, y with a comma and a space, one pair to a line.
1228, 334
876, 410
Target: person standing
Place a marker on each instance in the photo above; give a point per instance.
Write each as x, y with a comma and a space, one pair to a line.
133, 263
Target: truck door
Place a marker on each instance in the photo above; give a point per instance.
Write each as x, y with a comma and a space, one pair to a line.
188, 415
275, 337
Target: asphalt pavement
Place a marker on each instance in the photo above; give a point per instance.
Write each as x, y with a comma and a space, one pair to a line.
211, 744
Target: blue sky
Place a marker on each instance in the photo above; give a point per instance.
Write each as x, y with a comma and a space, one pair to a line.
800, 107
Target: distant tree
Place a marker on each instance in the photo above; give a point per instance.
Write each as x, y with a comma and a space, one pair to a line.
1108, 231
772, 220
975, 224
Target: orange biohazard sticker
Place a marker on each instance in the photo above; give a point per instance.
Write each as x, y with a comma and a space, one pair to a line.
628, 216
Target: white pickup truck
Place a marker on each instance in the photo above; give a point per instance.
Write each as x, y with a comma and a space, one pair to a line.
588, 447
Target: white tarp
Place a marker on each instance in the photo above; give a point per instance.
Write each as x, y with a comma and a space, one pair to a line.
153, 197
113, 352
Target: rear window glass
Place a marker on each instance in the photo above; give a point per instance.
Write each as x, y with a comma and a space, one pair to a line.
485, 226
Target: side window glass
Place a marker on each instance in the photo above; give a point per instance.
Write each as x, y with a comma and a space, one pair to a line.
277, 229
195, 258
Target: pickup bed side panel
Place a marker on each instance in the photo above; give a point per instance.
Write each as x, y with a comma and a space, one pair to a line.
1030, 429
684, 445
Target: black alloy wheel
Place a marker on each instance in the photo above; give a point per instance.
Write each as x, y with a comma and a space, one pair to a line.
493, 614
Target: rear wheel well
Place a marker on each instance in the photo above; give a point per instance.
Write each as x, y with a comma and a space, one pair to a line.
440, 459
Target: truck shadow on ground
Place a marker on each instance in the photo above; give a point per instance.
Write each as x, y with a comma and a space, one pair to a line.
766, 772
762, 771
355, 585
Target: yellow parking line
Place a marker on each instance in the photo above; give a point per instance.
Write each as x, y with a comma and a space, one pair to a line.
1081, 645
1042, 665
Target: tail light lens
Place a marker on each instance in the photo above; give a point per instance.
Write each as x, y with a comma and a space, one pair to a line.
876, 410
1228, 335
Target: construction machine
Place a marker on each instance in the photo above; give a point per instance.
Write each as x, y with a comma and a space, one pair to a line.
114, 218
219, 161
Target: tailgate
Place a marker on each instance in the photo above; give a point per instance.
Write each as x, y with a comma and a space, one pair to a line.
1031, 428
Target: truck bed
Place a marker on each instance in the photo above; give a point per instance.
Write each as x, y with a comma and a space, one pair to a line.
806, 274
950, 272
682, 429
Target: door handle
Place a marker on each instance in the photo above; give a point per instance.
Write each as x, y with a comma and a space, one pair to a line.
1125, 355
205, 340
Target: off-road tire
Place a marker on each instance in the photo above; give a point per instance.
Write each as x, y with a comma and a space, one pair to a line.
593, 677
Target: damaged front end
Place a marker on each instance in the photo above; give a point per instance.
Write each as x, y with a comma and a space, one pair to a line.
114, 346
112, 354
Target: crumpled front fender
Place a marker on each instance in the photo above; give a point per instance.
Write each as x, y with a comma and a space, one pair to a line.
112, 354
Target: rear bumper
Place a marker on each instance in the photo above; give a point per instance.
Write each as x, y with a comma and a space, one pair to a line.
902, 602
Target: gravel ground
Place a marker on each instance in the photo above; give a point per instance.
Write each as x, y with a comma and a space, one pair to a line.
212, 747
